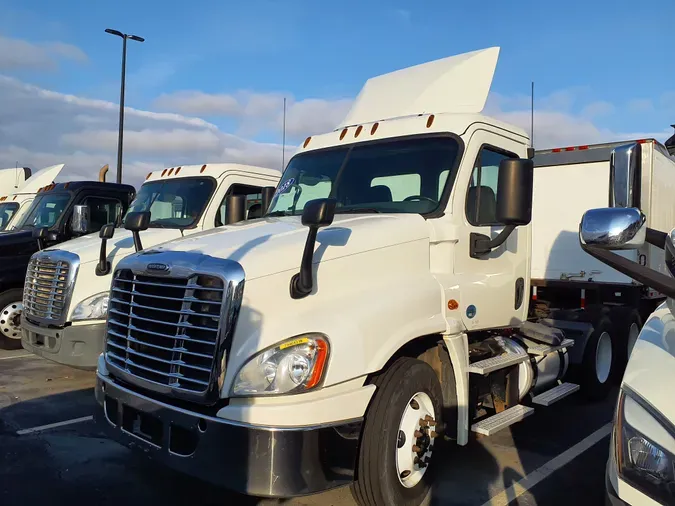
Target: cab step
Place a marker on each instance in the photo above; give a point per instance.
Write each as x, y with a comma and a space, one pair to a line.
500, 421
499, 362
541, 349
555, 394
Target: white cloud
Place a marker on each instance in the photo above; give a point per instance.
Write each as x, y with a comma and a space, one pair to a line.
17, 53
40, 127
258, 112
599, 108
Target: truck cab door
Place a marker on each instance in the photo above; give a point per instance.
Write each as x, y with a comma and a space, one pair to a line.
494, 286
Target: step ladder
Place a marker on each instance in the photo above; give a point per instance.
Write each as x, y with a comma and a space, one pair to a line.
499, 362
555, 394
495, 423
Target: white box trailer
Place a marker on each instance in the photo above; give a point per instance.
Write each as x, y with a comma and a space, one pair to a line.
568, 182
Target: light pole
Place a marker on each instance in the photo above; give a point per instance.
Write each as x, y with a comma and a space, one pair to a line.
124, 37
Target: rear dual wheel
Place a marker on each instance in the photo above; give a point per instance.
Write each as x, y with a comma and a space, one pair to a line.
395, 464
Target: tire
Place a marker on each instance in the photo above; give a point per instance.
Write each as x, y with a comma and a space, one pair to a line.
11, 303
399, 388
634, 323
599, 361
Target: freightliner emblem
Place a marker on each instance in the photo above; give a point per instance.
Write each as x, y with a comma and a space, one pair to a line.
158, 267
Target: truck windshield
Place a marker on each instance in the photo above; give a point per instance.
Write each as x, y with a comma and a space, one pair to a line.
7, 210
45, 210
174, 203
392, 176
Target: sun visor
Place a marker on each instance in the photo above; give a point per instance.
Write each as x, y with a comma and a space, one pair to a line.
457, 84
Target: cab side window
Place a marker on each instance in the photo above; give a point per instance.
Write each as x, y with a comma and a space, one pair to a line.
481, 199
103, 210
253, 202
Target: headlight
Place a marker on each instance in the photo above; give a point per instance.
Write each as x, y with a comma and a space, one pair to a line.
294, 366
93, 308
645, 448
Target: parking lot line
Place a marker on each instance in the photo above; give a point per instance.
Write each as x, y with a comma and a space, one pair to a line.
543, 472
54, 425
18, 356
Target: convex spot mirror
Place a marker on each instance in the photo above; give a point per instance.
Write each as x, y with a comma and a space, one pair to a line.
616, 228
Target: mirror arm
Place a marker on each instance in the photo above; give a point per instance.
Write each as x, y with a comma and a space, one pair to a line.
302, 282
656, 238
137, 240
640, 273
103, 266
480, 245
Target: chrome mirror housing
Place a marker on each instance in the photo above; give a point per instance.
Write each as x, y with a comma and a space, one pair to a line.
616, 228
80, 221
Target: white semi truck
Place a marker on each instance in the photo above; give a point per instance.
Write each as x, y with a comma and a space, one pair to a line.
66, 299
15, 205
383, 301
11, 179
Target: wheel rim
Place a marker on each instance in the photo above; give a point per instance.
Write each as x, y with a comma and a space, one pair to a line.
416, 434
603, 357
10, 320
633, 334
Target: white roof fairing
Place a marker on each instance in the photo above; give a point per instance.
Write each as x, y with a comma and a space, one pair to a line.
457, 84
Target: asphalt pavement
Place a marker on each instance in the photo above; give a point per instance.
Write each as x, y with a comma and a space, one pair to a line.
51, 453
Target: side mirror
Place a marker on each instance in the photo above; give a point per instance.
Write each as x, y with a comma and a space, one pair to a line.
136, 222
625, 172
316, 214
80, 222
235, 210
614, 228
514, 204
107, 232
267, 196
514, 191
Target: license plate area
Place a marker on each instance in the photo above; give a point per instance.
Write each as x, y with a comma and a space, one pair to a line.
143, 426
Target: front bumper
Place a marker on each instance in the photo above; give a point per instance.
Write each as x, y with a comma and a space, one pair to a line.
75, 346
611, 496
254, 460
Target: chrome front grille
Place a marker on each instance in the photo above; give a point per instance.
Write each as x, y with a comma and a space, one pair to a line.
165, 330
48, 286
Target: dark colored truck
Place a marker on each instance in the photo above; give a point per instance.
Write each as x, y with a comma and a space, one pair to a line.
48, 222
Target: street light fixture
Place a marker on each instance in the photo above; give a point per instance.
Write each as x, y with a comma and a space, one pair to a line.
124, 37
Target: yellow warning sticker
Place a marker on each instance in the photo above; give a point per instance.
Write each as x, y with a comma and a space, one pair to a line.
294, 342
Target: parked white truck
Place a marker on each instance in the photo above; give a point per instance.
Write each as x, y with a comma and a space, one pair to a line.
382, 301
641, 464
65, 305
11, 179
16, 204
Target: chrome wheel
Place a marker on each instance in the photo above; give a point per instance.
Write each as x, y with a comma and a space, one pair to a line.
10, 320
416, 434
603, 357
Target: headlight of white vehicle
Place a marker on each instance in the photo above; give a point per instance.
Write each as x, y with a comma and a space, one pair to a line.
645, 448
93, 308
294, 366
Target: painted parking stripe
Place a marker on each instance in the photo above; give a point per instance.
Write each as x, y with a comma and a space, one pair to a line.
543, 472
18, 356
40, 428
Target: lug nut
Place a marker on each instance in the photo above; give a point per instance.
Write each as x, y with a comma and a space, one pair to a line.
423, 423
433, 434
416, 449
428, 418
418, 433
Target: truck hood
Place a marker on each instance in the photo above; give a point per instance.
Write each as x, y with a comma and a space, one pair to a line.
270, 245
41, 178
651, 369
122, 244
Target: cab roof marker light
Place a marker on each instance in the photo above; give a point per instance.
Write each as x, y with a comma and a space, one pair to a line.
170, 171
306, 143
203, 169
358, 131
148, 176
163, 172
430, 120
374, 128
178, 170
344, 132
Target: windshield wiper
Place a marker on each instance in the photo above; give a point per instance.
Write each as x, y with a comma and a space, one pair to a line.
357, 210
274, 214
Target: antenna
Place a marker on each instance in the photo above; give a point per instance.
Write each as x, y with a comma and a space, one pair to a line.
532, 116
283, 141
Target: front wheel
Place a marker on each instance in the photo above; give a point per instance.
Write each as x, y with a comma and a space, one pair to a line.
11, 306
394, 466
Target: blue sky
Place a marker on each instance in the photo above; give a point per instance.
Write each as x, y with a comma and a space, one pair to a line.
602, 71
